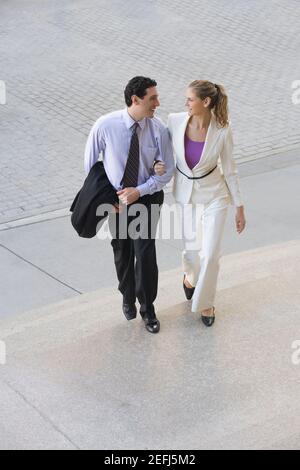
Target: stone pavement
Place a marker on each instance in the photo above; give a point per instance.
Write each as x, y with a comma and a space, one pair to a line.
66, 63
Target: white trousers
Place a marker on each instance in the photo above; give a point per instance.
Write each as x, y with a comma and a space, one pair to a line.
203, 228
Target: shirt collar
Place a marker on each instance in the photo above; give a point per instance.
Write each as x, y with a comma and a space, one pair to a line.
130, 122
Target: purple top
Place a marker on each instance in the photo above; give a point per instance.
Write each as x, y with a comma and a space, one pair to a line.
193, 151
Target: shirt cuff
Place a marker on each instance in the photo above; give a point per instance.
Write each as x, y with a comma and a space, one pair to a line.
237, 201
143, 189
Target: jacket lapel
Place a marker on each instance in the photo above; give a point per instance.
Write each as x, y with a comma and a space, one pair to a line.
180, 145
212, 136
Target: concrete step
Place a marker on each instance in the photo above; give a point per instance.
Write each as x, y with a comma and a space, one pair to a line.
79, 376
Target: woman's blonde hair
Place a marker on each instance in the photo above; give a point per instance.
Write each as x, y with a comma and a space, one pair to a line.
218, 96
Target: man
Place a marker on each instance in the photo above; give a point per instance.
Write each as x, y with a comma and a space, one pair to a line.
131, 141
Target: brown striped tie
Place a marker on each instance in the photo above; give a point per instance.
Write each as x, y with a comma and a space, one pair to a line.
131, 174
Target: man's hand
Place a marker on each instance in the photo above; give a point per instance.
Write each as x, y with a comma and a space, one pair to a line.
160, 168
117, 209
240, 220
128, 195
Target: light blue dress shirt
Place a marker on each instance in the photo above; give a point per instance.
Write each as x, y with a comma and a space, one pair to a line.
111, 137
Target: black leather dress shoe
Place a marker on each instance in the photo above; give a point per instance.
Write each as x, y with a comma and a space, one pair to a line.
152, 324
208, 321
129, 311
189, 292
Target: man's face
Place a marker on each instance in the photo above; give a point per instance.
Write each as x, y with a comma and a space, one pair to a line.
149, 103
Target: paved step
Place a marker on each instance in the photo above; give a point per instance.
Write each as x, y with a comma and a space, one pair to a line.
79, 376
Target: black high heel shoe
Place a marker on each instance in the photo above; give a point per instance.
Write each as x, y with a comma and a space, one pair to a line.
189, 292
209, 321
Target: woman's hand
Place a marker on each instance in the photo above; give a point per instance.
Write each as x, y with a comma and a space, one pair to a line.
160, 168
240, 219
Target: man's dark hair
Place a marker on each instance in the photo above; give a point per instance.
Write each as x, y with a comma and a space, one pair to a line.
137, 86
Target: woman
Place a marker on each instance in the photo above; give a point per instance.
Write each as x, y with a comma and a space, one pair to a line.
202, 137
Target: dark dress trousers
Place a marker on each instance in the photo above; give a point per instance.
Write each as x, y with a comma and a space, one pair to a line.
135, 257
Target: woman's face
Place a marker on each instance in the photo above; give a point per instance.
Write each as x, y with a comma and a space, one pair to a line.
194, 104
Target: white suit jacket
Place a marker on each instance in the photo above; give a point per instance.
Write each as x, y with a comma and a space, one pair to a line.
218, 148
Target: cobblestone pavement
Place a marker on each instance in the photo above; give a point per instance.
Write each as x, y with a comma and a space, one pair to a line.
66, 62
